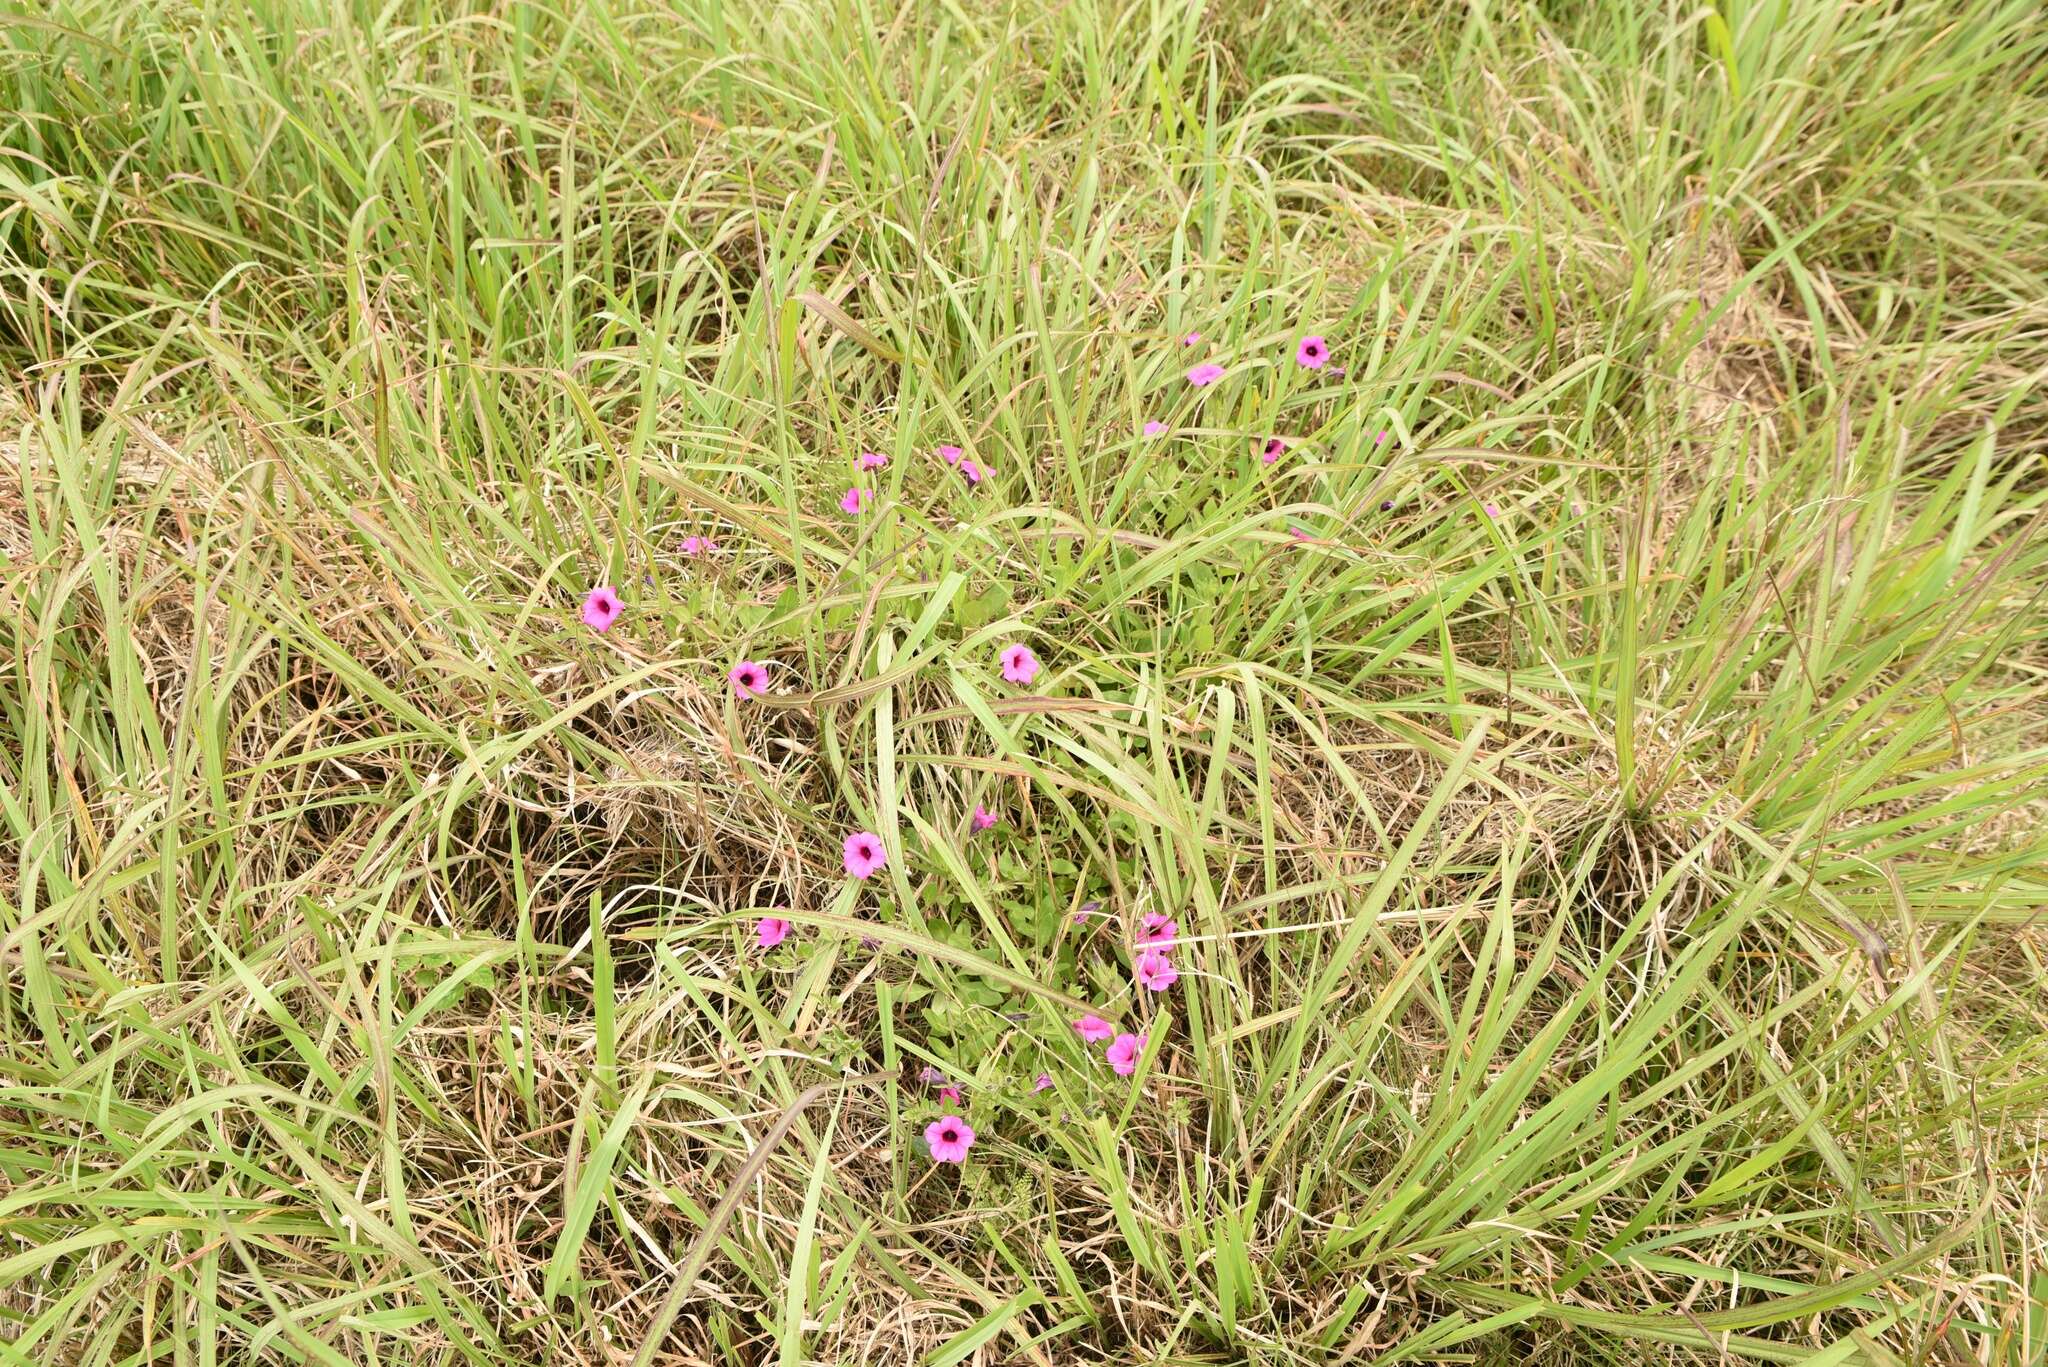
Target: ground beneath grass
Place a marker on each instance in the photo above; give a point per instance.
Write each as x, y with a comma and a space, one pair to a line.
1524, 529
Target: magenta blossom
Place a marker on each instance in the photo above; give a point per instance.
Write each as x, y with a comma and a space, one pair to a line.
853, 500
1191, 339
1095, 1029
1493, 510
698, 545
1123, 1054
1208, 372
1155, 428
1159, 930
1155, 972
1020, 666
982, 819
1299, 533
1044, 1081
950, 454
973, 472
601, 608
1312, 354
871, 460
864, 853
749, 679
1272, 450
950, 1138
929, 1074
771, 931
950, 1093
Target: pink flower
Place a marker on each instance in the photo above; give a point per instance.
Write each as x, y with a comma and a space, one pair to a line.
854, 500
1159, 930
972, 471
772, 931
1492, 510
749, 680
1020, 666
1272, 450
1191, 339
864, 853
1299, 533
871, 460
950, 454
1155, 428
950, 1138
1095, 1029
698, 545
1380, 440
601, 608
1155, 971
950, 1093
1044, 1081
1312, 354
929, 1074
1123, 1054
1208, 372
982, 819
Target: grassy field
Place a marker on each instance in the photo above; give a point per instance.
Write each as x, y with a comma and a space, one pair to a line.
1595, 769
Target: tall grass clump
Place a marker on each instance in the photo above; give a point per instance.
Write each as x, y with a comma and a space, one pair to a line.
1511, 834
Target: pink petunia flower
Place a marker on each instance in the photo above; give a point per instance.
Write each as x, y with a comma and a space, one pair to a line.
749, 679
698, 545
853, 500
950, 454
982, 819
1208, 372
1044, 1081
1272, 450
1020, 666
601, 608
950, 1093
771, 931
972, 471
1155, 428
1155, 972
1493, 510
1312, 354
1123, 1053
1191, 339
950, 1138
864, 853
871, 460
1159, 930
1095, 1029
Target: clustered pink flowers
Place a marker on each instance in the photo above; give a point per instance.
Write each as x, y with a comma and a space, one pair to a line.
950, 1137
